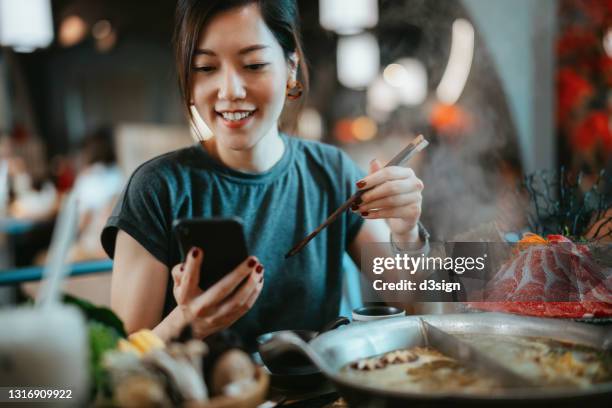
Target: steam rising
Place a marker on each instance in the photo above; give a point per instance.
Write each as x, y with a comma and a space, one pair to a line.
468, 172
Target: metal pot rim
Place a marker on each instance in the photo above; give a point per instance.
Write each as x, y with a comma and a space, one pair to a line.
579, 333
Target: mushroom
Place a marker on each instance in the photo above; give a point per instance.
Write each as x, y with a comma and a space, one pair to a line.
182, 374
140, 391
233, 373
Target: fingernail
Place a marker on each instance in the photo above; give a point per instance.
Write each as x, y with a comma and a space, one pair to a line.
361, 184
354, 207
358, 201
261, 279
251, 263
182, 267
365, 214
195, 252
259, 268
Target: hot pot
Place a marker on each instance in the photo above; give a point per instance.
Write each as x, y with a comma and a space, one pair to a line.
333, 350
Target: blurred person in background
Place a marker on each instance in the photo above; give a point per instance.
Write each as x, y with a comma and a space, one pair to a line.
33, 195
98, 183
33, 198
97, 186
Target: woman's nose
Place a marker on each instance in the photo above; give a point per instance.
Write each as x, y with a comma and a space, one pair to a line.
231, 86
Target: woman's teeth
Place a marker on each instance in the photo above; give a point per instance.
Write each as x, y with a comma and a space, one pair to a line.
235, 116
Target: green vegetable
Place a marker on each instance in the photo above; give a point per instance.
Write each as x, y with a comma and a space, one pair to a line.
101, 339
98, 314
104, 330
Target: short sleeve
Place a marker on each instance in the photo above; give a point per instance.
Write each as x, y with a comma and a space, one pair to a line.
352, 173
143, 211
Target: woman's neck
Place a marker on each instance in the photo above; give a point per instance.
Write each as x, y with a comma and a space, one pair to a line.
260, 158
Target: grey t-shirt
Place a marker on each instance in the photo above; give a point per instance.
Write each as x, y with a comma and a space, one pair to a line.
279, 208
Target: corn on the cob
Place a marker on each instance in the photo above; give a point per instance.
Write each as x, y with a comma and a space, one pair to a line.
141, 342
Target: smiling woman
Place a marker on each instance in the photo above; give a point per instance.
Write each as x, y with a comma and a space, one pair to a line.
239, 62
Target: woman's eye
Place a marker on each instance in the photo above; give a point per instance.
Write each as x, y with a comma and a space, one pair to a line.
205, 69
256, 67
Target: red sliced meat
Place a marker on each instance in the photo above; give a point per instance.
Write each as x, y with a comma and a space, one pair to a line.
555, 280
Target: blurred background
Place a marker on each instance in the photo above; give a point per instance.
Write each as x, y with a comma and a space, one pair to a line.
501, 89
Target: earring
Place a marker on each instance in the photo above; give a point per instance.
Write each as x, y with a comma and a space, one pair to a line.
295, 92
197, 125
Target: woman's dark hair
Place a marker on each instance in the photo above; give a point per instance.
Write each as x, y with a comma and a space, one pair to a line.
281, 17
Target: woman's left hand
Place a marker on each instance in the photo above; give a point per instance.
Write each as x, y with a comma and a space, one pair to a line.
395, 196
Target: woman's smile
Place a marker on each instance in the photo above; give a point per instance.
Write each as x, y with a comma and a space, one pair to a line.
236, 119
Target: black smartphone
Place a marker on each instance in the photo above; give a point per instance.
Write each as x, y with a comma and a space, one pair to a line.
221, 239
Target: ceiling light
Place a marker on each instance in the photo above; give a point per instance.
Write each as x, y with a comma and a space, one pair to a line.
381, 97
358, 60
73, 30
395, 75
101, 29
348, 16
414, 87
364, 128
607, 42
459, 64
26, 25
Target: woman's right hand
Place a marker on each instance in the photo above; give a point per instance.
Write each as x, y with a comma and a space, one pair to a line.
222, 304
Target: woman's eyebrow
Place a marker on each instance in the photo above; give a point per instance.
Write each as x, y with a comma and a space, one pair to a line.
252, 48
245, 50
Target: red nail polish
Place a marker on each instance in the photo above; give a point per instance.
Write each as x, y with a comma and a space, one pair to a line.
182, 267
354, 207
361, 184
261, 279
195, 252
251, 263
365, 214
259, 268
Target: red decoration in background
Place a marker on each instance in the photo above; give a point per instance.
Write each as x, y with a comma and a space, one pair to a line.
573, 91
584, 79
591, 130
576, 40
605, 66
599, 11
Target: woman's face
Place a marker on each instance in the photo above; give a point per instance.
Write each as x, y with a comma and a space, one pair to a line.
240, 76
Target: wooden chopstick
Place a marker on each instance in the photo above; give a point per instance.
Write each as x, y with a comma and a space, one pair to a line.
415, 146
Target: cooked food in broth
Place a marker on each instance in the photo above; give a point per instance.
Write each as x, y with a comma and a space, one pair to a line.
546, 362
425, 370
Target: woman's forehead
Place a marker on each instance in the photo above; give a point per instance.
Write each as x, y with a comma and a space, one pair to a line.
235, 29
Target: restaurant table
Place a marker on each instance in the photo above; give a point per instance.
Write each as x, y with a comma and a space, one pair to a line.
34, 273
13, 226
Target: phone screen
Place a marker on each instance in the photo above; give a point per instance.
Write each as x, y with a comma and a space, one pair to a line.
222, 241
